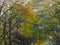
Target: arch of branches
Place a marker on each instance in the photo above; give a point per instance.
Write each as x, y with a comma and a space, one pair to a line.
8, 26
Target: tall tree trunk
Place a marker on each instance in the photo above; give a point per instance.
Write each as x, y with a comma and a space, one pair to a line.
4, 33
10, 41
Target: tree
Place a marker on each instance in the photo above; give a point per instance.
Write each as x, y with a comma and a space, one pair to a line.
51, 20
13, 20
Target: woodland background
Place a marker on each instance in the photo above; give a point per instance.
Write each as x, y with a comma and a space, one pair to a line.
29, 22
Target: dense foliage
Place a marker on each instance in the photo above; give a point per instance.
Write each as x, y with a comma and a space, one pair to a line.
30, 23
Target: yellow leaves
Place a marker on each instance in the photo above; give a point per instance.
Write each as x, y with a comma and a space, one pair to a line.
40, 42
50, 37
26, 29
16, 6
30, 14
27, 10
33, 1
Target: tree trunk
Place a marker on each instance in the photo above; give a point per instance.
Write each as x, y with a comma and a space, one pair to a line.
4, 29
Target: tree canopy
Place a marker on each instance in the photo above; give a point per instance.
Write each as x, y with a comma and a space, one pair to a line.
29, 22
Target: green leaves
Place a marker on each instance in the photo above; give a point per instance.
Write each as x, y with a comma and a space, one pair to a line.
54, 22
26, 29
